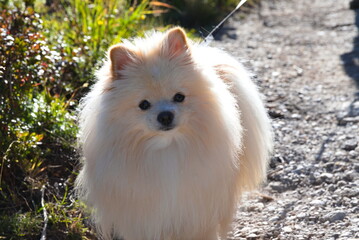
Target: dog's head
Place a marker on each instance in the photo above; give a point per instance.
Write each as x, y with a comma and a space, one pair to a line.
158, 90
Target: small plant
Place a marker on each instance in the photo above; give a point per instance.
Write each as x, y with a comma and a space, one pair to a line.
86, 28
65, 213
20, 226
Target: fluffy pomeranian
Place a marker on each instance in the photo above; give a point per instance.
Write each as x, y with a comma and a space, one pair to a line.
171, 134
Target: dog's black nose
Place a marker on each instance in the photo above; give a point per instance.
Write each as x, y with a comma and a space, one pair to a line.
165, 118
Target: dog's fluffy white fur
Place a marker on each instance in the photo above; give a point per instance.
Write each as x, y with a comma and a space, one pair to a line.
146, 183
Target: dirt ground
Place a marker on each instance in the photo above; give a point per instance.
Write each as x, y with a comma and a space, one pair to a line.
304, 55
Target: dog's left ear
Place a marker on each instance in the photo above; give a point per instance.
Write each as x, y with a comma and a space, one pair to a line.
175, 42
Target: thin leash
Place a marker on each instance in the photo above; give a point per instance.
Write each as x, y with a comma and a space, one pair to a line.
210, 35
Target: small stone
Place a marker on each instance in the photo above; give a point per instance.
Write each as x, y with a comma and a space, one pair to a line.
349, 177
287, 229
340, 153
346, 234
315, 180
350, 145
302, 215
326, 177
346, 120
245, 229
313, 218
278, 186
275, 74
276, 114
257, 207
274, 219
353, 153
298, 227
350, 192
332, 188
254, 231
329, 166
341, 183
317, 202
336, 235
334, 216
299, 70
252, 235
356, 167
272, 208
296, 116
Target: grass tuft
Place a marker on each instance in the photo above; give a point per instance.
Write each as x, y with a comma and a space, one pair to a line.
20, 226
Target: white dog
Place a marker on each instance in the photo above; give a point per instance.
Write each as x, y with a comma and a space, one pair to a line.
171, 134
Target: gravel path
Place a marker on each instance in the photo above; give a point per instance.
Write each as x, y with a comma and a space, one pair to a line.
303, 55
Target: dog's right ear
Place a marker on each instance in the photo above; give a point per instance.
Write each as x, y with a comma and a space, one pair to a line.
175, 43
120, 56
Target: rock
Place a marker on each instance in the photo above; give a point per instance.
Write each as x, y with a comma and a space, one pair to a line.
258, 207
274, 219
344, 121
332, 187
350, 145
336, 235
350, 176
274, 113
313, 218
287, 229
315, 180
334, 216
301, 215
341, 183
356, 167
346, 234
329, 166
253, 235
326, 177
278, 186
275, 161
350, 192
317, 202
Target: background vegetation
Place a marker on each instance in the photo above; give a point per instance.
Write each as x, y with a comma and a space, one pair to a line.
48, 53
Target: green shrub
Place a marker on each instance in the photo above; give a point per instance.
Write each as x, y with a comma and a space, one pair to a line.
34, 118
37, 128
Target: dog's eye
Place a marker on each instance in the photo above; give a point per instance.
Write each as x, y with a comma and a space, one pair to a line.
144, 105
178, 97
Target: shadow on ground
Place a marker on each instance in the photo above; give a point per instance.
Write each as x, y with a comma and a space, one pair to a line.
351, 67
225, 32
351, 59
